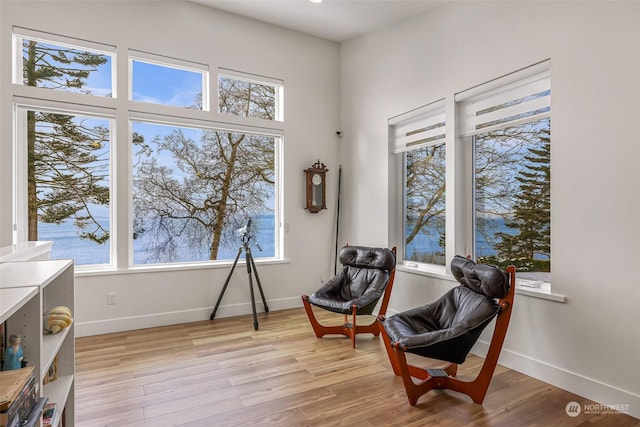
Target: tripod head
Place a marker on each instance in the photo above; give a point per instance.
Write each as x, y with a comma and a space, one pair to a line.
246, 234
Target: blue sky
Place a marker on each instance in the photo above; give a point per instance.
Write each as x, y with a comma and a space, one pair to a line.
151, 83
164, 85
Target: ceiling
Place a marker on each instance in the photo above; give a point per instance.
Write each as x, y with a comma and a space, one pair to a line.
336, 20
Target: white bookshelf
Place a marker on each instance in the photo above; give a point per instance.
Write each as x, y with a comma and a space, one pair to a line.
26, 251
12, 299
27, 290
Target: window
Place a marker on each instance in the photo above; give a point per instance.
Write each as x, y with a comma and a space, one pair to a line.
508, 124
243, 95
420, 136
482, 188
191, 176
68, 176
168, 81
193, 188
61, 65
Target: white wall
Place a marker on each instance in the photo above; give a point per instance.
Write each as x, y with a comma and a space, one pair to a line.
591, 344
309, 68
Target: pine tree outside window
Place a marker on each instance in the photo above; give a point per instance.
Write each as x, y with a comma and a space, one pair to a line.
67, 152
507, 123
68, 183
513, 198
61, 65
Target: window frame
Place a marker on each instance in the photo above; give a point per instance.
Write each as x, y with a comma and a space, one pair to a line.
173, 63
460, 238
278, 137
19, 34
470, 125
121, 111
277, 84
20, 175
413, 130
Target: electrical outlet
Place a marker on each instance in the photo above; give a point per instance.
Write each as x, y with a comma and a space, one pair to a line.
111, 298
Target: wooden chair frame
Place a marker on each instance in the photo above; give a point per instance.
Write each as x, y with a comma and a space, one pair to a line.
351, 329
446, 378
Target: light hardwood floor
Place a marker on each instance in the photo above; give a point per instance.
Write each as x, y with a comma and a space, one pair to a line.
223, 373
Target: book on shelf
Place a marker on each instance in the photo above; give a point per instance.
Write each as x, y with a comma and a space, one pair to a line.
52, 372
48, 414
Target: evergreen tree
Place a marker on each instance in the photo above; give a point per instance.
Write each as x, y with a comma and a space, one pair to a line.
532, 209
66, 166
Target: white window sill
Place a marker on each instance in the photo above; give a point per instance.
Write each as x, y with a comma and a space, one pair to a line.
155, 268
543, 291
430, 270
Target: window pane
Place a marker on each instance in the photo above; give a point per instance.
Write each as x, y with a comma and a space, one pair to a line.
513, 198
161, 84
194, 188
247, 99
424, 226
68, 185
66, 68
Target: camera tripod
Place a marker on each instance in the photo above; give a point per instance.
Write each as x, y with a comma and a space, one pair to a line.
251, 268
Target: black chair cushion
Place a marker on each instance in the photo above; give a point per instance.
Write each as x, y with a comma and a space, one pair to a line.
486, 279
361, 282
364, 257
445, 329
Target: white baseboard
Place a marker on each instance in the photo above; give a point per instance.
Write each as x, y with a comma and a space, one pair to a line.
122, 324
573, 382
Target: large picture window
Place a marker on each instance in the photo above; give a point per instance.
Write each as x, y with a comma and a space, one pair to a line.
193, 188
192, 177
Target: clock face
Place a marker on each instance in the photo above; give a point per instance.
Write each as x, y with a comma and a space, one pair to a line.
316, 179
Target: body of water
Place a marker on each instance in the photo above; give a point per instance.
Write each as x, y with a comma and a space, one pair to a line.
429, 243
68, 244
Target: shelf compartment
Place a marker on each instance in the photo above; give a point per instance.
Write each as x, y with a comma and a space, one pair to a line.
58, 391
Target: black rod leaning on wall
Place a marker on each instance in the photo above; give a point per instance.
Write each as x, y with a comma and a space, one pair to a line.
335, 263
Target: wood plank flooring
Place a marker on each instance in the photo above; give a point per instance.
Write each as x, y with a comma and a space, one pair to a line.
223, 373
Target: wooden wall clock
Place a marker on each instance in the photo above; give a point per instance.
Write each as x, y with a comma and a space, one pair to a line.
316, 181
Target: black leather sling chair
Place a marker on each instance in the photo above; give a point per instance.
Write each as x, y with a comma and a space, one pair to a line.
447, 329
366, 276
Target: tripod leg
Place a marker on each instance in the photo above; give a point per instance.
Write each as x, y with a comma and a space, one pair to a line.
224, 288
248, 258
255, 271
